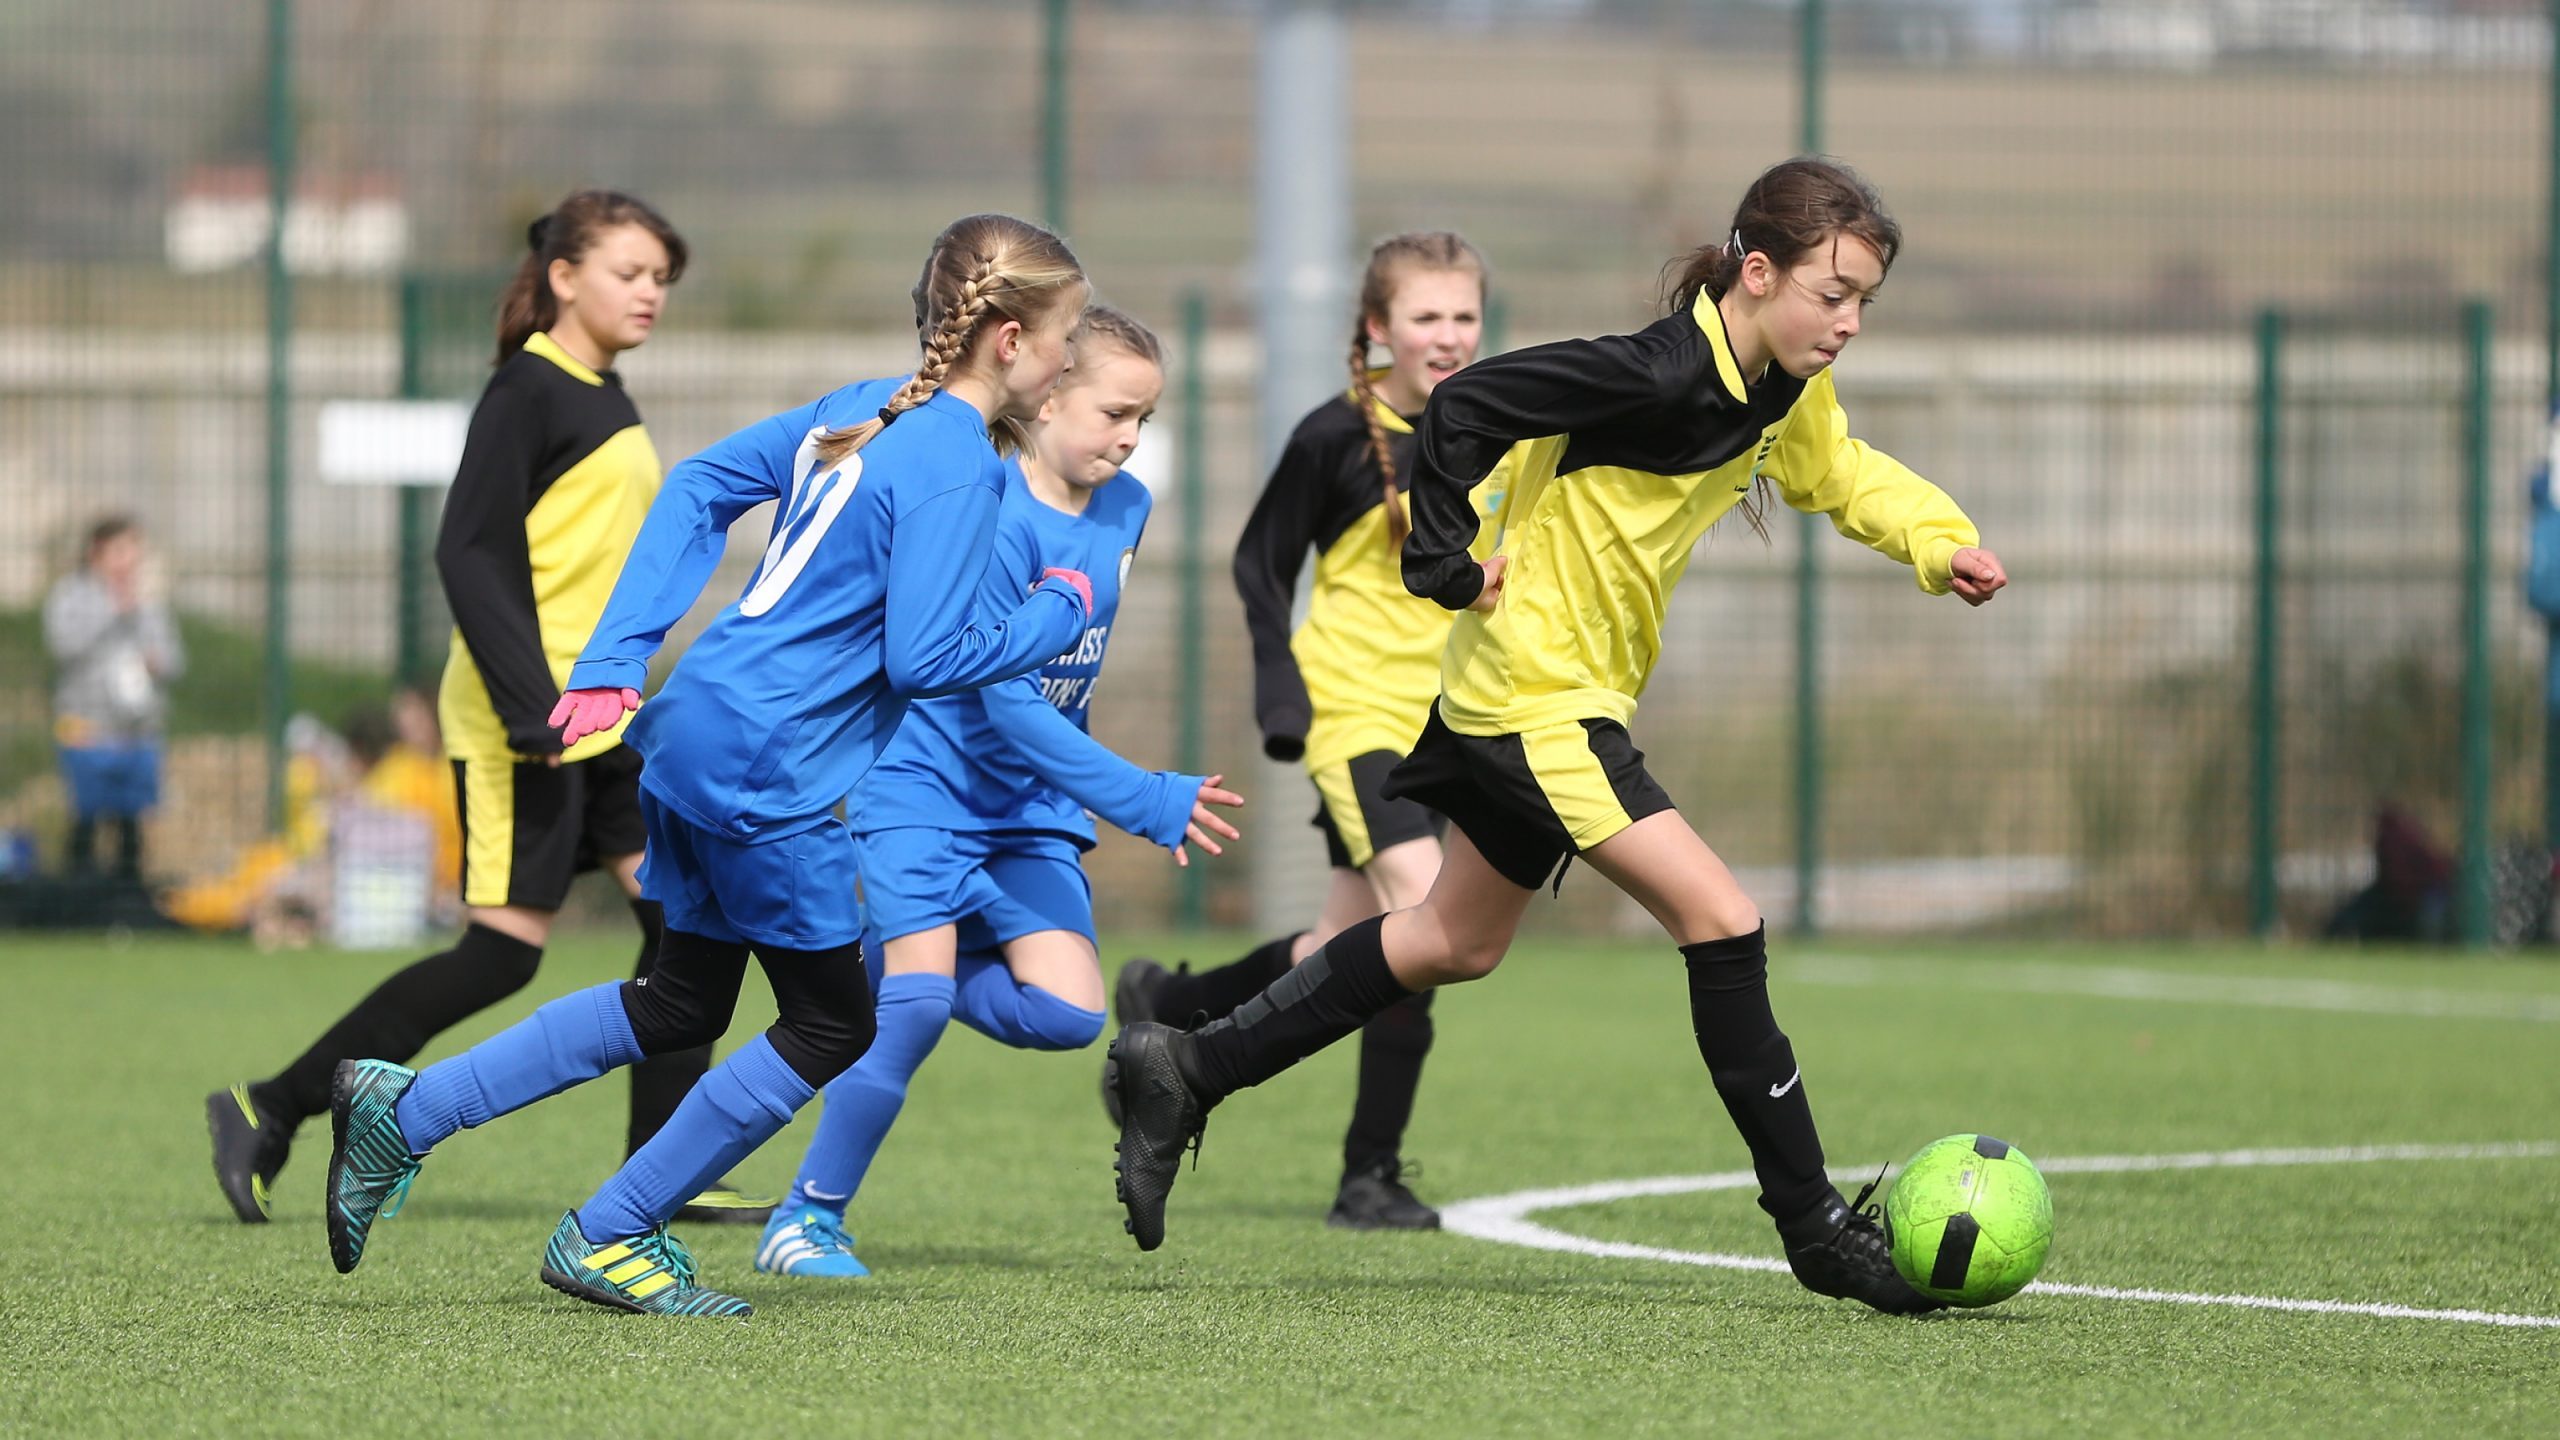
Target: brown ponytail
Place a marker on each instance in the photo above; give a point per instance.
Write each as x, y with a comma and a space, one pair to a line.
527, 304
1793, 209
1388, 262
980, 265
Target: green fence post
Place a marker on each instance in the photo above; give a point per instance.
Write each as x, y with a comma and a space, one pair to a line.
2551, 376
2265, 667
1053, 114
277, 699
1811, 35
408, 608
1194, 482
2471, 899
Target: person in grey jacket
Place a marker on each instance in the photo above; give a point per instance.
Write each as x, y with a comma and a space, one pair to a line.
115, 652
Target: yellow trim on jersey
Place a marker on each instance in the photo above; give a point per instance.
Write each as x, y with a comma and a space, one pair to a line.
549, 349
1342, 806
1577, 788
1369, 650
488, 830
576, 537
1595, 554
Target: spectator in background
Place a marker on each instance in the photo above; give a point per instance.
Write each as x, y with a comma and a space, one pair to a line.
115, 652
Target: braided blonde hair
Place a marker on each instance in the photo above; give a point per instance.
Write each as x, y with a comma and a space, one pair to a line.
1418, 250
981, 266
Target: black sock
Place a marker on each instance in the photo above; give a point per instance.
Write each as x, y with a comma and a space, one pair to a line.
1392, 1046
80, 852
402, 1014
659, 1082
128, 847
1212, 994
1332, 993
1755, 1070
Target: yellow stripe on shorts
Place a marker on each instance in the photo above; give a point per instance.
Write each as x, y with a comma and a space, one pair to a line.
489, 831
1577, 789
1342, 806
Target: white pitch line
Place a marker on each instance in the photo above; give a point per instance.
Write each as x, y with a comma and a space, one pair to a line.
1504, 1220
2120, 982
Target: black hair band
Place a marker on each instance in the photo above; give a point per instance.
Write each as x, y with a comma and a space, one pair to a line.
887, 415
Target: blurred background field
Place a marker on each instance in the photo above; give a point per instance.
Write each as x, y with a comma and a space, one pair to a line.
2103, 200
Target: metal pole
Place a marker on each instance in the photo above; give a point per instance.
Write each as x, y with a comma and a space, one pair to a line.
1302, 296
1053, 114
278, 689
2551, 388
407, 607
1811, 37
2471, 896
1194, 638
2264, 750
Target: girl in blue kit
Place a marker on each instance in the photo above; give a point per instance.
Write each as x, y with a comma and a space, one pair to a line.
971, 829
888, 492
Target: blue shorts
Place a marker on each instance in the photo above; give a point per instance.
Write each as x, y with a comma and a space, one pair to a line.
112, 779
995, 887
794, 893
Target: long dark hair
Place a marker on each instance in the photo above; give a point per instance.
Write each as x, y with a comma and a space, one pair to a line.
1789, 212
1795, 208
566, 234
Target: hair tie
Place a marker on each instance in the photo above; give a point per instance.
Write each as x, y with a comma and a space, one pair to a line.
537, 232
888, 414
1736, 245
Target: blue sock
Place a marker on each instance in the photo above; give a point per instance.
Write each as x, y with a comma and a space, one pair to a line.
1026, 1017
567, 1042
863, 1102
742, 1103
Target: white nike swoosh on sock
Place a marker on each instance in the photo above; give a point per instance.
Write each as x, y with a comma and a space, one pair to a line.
1778, 1091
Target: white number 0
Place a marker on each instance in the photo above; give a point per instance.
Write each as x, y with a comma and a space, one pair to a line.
813, 504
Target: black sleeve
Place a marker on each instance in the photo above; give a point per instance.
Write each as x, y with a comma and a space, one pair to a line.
1478, 414
1269, 554
487, 569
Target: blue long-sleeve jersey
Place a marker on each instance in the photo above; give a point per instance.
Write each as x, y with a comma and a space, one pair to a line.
864, 600
1018, 756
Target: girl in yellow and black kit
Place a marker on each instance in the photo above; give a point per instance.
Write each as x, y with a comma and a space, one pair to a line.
556, 474
1347, 694
1614, 455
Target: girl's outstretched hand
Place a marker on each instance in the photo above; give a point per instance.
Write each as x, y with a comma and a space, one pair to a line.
1077, 581
1491, 594
1205, 822
582, 713
1977, 575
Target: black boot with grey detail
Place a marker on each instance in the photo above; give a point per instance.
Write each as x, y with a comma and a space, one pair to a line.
1167, 1081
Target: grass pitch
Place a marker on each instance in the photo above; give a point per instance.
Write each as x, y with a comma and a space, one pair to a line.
1007, 1300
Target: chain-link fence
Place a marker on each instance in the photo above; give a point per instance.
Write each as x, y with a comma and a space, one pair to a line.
2100, 198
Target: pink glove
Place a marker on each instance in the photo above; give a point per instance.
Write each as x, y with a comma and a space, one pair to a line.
1077, 578
582, 713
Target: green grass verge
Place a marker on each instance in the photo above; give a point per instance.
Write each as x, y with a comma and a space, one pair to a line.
1008, 1301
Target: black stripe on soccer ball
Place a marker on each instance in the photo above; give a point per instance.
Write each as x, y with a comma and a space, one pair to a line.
1990, 1149
1955, 1253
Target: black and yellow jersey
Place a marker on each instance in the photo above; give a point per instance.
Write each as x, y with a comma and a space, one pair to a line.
556, 475
1615, 455
1359, 674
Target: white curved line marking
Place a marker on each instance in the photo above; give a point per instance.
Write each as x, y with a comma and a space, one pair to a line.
1504, 1219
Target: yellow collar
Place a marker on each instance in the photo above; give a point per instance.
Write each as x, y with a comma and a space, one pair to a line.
1711, 322
1387, 415
549, 349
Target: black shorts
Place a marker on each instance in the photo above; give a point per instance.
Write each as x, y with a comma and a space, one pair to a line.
1357, 817
528, 828
1530, 799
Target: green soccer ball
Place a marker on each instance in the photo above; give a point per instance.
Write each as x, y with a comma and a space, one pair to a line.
1969, 1220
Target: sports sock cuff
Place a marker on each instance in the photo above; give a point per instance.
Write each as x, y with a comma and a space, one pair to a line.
1738, 950
613, 1019
922, 983
482, 943
765, 1076
1052, 1024
1359, 959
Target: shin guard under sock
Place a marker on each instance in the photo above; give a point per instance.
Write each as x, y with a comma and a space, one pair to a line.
1186, 997
1392, 1047
1327, 996
567, 1042
1754, 1069
742, 1103
402, 1014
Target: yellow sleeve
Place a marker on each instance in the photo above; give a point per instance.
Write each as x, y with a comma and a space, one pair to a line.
1871, 497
